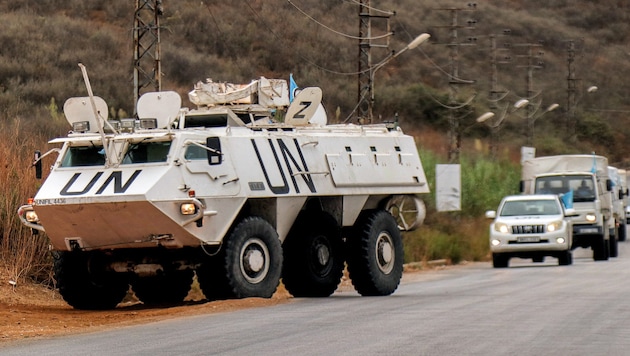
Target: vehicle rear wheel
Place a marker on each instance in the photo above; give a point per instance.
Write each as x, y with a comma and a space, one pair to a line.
249, 265
375, 254
499, 260
169, 287
566, 258
84, 284
313, 256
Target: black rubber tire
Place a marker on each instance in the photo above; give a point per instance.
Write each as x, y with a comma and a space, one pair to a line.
213, 280
613, 246
313, 256
566, 258
622, 232
84, 285
170, 287
499, 260
600, 249
250, 264
375, 254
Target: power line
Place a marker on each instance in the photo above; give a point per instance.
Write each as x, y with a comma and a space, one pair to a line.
335, 31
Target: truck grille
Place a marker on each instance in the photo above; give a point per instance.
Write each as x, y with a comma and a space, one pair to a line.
528, 229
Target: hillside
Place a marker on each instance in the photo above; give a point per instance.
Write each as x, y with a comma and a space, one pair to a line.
42, 41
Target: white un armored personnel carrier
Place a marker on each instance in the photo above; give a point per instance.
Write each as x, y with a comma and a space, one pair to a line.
225, 192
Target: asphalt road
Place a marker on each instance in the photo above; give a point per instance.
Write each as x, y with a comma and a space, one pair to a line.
526, 309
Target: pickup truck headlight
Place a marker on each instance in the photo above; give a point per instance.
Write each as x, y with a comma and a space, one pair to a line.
502, 228
554, 226
590, 217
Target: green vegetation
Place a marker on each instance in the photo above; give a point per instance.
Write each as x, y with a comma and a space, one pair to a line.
237, 41
462, 235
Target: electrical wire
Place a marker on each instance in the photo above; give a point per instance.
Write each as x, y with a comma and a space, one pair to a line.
335, 31
371, 8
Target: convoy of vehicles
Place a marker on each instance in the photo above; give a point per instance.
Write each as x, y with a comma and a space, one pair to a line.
241, 196
531, 226
228, 193
585, 178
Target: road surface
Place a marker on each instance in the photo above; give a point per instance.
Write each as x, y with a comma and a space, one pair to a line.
526, 309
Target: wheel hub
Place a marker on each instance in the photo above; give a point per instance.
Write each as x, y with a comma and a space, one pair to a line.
254, 260
323, 254
385, 253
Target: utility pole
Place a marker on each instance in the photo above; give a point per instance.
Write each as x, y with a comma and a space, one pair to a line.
571, 120
147, 70
494, 89
365, 90
454, 80
534, 61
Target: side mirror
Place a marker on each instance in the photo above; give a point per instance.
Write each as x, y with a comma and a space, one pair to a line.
491, 214
570, 212
609, 185
521, 186
38, 164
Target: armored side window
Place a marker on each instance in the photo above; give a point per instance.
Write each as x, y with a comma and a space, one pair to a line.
147, 152
80, 156
194, 152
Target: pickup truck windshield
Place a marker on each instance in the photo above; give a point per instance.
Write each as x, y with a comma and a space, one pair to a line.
530, 207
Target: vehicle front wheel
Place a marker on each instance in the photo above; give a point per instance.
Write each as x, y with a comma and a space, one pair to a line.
499, 260
600, 249
84, 284
250, 264
566, 258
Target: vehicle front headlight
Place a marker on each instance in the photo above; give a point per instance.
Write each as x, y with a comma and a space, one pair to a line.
188, 209
31, 216
590, 217
502, 228
554, 226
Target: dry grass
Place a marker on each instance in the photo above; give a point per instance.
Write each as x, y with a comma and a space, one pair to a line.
23, 254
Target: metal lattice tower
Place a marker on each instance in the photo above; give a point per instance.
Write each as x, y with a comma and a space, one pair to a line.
571, 93
147, 70
455, 81
366, 70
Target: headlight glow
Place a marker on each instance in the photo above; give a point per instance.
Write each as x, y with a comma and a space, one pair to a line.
554, 226
495, 242
560, 240
31, 216
501, 227
188, 209
590, 217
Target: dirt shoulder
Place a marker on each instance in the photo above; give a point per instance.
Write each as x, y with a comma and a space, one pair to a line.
32, 311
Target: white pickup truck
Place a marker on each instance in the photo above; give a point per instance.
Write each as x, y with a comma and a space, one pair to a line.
531, 226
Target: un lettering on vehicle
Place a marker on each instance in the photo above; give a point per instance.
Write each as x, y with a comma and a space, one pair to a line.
283, 166
98, 182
